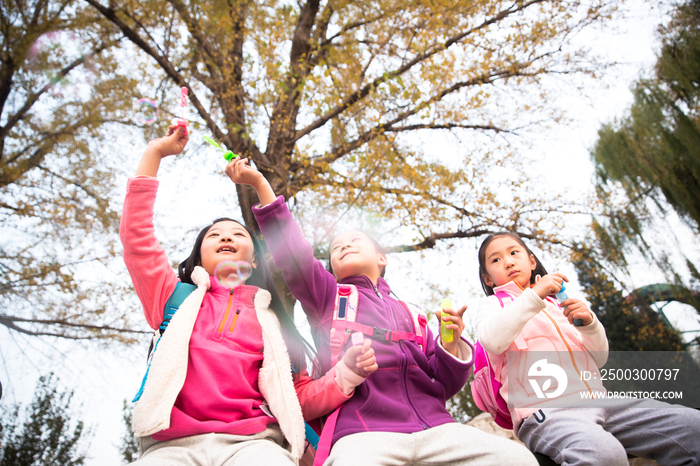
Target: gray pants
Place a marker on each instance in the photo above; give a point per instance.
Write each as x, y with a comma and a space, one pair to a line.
669, 434
217, 450
450, 444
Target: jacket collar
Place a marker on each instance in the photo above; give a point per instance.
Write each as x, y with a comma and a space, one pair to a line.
512, 288
363, 281
245, 293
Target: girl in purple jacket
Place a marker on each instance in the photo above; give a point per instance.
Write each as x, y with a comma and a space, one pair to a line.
398, 415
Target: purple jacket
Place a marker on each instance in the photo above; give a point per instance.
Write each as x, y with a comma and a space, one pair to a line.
409, 390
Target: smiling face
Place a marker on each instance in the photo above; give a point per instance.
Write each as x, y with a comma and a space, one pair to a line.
354, 253
226, 241
507, 260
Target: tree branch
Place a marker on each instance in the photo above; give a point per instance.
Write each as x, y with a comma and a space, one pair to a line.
168, 68
437, 48
9, 322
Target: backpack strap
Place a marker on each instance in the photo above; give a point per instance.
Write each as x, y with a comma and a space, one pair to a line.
182, 291
324, 445
343, 324
519, 340
344, 314
420, 325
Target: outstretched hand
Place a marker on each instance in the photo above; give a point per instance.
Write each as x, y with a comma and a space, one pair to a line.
241, 172
456, 324
360, 359
172, 143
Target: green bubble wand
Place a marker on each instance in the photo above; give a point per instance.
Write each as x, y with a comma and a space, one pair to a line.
228, 155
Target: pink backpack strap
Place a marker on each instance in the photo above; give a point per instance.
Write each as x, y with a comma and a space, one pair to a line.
324, 444
420, 326
502, 296
344, 315
344, 324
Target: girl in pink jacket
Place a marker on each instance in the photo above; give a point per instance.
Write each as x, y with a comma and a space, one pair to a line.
227, 382
531, 341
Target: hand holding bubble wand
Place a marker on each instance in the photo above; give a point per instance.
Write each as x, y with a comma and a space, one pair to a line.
561, 297
228, 155
446, 334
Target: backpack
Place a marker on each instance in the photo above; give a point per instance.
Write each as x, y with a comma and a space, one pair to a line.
485, 389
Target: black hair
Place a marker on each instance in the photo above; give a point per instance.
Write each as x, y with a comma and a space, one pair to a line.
261, 277
539, 268
377, 247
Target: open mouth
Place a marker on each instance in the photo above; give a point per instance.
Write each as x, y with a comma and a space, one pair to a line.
346, 255
230, 249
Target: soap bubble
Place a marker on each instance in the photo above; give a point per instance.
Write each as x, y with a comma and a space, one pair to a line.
147, 111
232, 273
53, 51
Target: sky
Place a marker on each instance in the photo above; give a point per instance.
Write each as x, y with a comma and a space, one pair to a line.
103, 377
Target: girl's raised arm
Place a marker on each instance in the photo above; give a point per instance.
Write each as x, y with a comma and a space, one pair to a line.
305, 276
148, 265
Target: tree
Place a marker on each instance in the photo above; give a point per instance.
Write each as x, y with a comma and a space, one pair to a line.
654, 153
58, 98
47, 437
130, 446
331, 100
631, 324
461, 406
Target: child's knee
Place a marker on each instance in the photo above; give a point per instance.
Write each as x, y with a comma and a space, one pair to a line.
610, 454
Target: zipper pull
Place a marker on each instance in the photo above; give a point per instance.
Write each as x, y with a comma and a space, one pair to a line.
231, 292
235, 318
376, 290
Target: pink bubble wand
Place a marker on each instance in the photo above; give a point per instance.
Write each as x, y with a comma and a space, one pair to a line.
182, 121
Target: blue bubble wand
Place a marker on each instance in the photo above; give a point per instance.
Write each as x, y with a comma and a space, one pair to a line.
561, 297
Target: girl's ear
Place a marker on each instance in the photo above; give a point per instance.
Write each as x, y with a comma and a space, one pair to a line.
533, 262
254, 264
383, 260
488, 280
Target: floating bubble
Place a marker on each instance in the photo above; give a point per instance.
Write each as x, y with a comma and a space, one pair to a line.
232, 273
351, 169
55, 50
147, 111
54, 42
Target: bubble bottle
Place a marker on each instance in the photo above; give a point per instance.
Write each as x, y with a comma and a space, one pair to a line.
446, 335
561, 297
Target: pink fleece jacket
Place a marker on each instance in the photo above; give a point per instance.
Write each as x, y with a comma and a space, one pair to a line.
533, 327
220, 393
